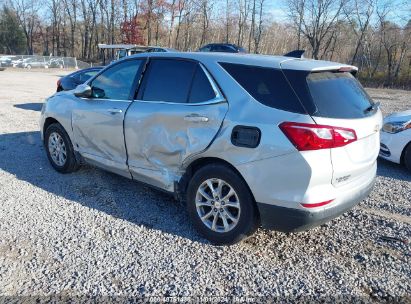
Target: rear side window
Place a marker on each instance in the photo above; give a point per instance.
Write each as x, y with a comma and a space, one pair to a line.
266, 85
224, 48
201, 89
206, 48
169, 80
338, 95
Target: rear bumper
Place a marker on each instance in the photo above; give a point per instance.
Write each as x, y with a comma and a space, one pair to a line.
293, 220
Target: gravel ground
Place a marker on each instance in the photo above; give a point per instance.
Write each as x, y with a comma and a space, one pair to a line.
97, 234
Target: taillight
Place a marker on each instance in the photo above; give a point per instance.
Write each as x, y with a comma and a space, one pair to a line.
58, 82
307, 137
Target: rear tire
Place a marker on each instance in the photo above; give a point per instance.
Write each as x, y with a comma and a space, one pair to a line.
407, 157
59, 149
226, 215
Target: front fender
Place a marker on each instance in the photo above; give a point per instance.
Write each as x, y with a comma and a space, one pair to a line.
58, 108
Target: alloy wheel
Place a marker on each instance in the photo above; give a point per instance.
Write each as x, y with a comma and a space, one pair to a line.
57, 149
218, 205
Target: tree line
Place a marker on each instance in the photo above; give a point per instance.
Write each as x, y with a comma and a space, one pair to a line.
374, 35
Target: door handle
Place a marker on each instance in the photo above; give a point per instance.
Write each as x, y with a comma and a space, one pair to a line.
195, 118
115, 111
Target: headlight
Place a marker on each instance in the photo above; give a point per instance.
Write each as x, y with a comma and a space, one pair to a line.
396, 126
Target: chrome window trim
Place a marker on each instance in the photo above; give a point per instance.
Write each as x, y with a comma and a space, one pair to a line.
215, 100
106, 99
217, 92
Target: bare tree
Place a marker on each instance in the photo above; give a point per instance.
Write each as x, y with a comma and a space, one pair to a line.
258, 27
71, 9
26, 12
244, 11
359, 13
206, 7
316, 20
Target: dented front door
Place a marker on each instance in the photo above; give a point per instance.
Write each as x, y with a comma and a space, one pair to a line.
98, 121
159, 136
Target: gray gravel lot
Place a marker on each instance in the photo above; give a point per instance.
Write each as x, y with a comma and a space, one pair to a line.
95, 233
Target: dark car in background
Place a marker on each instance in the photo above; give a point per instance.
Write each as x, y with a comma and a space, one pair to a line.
222, 47
72, 80
160, 50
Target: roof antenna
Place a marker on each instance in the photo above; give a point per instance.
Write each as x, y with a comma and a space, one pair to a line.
295, 54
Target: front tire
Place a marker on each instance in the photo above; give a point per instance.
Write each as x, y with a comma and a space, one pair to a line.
221, 205
59, 149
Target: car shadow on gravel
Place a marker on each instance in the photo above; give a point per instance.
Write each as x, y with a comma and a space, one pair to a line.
22, 155
33, 106
393, 170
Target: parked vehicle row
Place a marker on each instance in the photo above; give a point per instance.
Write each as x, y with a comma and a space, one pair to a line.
44, 62
5, 61
32, 62
243, 140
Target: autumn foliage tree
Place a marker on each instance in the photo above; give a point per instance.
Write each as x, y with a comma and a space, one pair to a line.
131, 32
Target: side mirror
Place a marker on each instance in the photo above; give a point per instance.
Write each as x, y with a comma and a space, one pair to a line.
82, 90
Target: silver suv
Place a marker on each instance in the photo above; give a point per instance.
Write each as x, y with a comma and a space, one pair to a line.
244, 140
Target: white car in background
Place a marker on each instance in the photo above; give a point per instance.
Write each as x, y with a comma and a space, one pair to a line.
396, 138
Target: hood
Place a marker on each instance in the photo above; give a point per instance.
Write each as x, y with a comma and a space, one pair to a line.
399, 116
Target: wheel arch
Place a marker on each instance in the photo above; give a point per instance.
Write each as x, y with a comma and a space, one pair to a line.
181, 187
51, 120
403, 152
47, 123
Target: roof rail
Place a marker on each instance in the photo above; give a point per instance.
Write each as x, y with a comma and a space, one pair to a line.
295, 54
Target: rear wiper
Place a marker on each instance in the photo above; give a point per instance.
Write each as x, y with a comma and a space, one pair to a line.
372, 107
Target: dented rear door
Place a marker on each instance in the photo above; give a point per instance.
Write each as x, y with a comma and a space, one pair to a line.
178, 113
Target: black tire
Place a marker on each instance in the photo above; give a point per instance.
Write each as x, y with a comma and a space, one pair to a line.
407, 157
248, 218
71, 164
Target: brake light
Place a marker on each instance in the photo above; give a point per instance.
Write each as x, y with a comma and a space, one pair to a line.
58, 82
306, 137
346, 69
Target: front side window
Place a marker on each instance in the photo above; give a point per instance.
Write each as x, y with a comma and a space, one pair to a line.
266, 85
117, 81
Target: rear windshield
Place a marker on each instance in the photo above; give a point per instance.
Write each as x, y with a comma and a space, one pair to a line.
338, 95
266, 85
